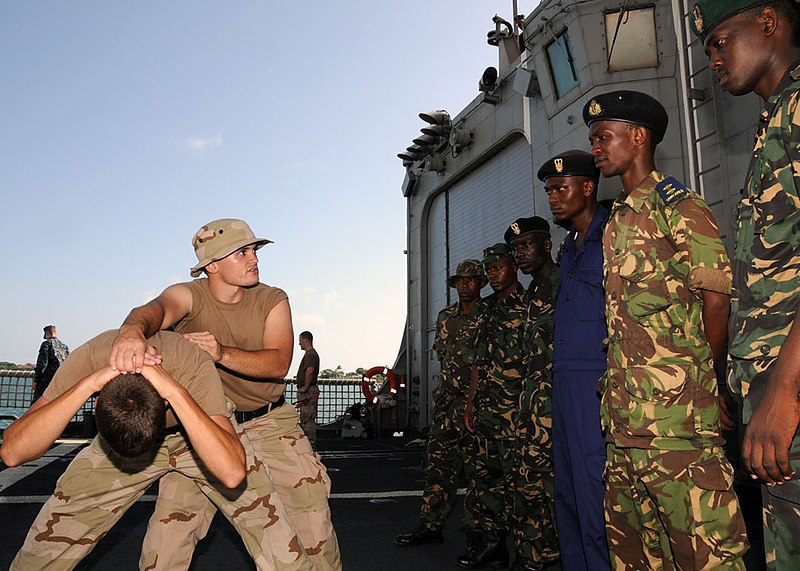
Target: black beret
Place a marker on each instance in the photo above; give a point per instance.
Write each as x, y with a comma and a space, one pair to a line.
522, 226
570, 163
629, 107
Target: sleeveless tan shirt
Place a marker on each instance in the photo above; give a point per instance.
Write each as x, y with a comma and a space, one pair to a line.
239, 325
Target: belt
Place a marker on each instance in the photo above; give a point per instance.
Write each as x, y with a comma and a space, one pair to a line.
250, 415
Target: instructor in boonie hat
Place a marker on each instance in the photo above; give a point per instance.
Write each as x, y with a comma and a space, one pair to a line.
221, 238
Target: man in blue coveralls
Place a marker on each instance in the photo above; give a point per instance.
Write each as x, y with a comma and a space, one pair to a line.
579, 360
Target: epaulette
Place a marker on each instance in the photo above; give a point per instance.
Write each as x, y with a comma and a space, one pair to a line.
795, 73
671, 190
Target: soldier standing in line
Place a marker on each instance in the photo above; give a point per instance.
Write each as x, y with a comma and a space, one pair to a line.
755, 47
449, 442
535, 537
669, 488
501, 364
579, 360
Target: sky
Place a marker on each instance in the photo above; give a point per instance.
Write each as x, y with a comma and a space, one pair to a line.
125, 126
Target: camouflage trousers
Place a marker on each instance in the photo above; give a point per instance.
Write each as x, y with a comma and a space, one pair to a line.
493, 484
535, 536
781, 504
182, 516
672, 510
98, 487
308, 413
449, 454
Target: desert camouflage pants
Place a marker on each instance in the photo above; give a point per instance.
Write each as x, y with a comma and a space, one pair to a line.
182, 515
781, 504
308, 413
449, 454
672, 510
535, 536
98, 488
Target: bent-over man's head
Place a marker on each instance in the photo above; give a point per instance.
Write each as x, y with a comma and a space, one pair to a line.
130, 415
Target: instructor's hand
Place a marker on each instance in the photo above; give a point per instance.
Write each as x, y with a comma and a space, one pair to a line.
130, 352
207, 342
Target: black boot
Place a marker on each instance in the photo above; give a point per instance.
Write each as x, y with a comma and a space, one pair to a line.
491, 553
423, 534
523, 564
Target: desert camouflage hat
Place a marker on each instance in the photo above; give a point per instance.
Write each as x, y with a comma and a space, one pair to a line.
468, 269
708, 13
497, 252
221, 238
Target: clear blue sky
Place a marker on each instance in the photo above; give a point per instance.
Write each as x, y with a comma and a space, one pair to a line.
124, 126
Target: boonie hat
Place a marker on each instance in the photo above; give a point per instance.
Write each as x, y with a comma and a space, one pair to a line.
221, 238
569, 163
522, 226
468, 269
629, 107
499, 251
708, 13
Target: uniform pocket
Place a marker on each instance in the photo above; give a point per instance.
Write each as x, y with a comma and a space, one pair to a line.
644, 288
712, 474
660, 402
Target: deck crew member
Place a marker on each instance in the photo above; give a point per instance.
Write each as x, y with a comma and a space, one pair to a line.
141, 442
755, 47
449, 452
669, 496
535, 537
579, 360
246, 328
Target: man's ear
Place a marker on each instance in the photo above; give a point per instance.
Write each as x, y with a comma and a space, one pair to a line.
548, 245
768, 20
211, 268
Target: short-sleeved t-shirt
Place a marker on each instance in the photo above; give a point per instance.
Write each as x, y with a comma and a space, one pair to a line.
191, 367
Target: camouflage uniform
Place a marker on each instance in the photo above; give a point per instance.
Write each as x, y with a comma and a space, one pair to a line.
501, 357
669, 496
449, 442
766, 290
534, 530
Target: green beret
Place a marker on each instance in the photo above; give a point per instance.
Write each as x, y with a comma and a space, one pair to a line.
499, 251
629, 107
468, 269
570, 163
522, 226
708, 13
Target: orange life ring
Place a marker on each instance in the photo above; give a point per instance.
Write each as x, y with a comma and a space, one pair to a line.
390, 376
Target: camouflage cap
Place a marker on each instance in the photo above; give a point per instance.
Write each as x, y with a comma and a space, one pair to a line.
221, 238
628, 107
569, 163
708, 13
468, 269
497, 252
522, 226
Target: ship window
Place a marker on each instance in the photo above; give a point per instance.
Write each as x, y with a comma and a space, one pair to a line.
562, 65
635, 44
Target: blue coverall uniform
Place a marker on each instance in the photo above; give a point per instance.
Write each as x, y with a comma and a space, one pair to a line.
579, 360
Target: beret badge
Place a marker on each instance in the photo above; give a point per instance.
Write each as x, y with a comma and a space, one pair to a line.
594, 108
559, 165
697, 18
515, 228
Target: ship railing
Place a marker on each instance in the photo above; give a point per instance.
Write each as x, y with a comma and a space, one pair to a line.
337, 395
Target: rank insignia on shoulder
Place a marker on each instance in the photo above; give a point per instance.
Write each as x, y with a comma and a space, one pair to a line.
671, 190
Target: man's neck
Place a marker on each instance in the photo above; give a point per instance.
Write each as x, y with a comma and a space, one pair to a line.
225, 292
541, 276
636, 174
768, 84
466, 306
502, 294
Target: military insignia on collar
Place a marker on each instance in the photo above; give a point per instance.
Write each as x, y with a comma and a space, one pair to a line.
515, 228
559, 164
594, 108
697, 18
671, 190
